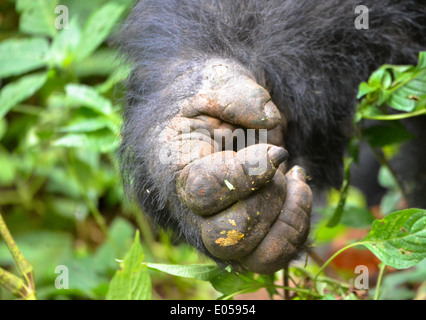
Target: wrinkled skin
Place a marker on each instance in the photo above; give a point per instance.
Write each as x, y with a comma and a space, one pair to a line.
260, 219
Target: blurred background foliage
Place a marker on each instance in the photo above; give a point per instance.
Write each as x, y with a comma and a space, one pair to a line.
61, 100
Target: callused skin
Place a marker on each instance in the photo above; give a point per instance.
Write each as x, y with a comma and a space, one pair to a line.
249, 213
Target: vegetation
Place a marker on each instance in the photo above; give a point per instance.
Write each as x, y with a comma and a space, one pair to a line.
71, 234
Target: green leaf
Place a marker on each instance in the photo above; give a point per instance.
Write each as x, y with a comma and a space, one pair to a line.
344, 191
18, 56
86, 96
38, 16
132, 281
422, 60
407, 96
88, 125
365, 89
399, 240
376, 77
100, 141
98, 28
387, 80
20, 90
103, 62
356, 217
229, 185
204, 272
64, 45
228, 283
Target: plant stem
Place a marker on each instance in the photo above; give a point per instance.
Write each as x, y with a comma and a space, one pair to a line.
344, 191
396, 116
379, 281
255, 288
286, 284
299, 290
385, 163
89, 202
15, 285
333, 257
24, 266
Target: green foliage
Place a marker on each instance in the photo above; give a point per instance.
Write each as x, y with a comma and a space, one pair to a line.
399, 240
60, 192
36, 17
392, 93
18, 56
403, 88
18, 91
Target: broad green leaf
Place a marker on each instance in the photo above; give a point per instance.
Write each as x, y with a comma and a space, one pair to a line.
387, 80
83, 8
98, 28
20, 90
376, 77
399, 240
86, 96
390, 202
37, 16
401, 87
406, 98
227, 282
386, 179
204, 272
356, 217
18, 56
132, 281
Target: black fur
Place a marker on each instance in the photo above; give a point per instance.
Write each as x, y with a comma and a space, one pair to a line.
308, 54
